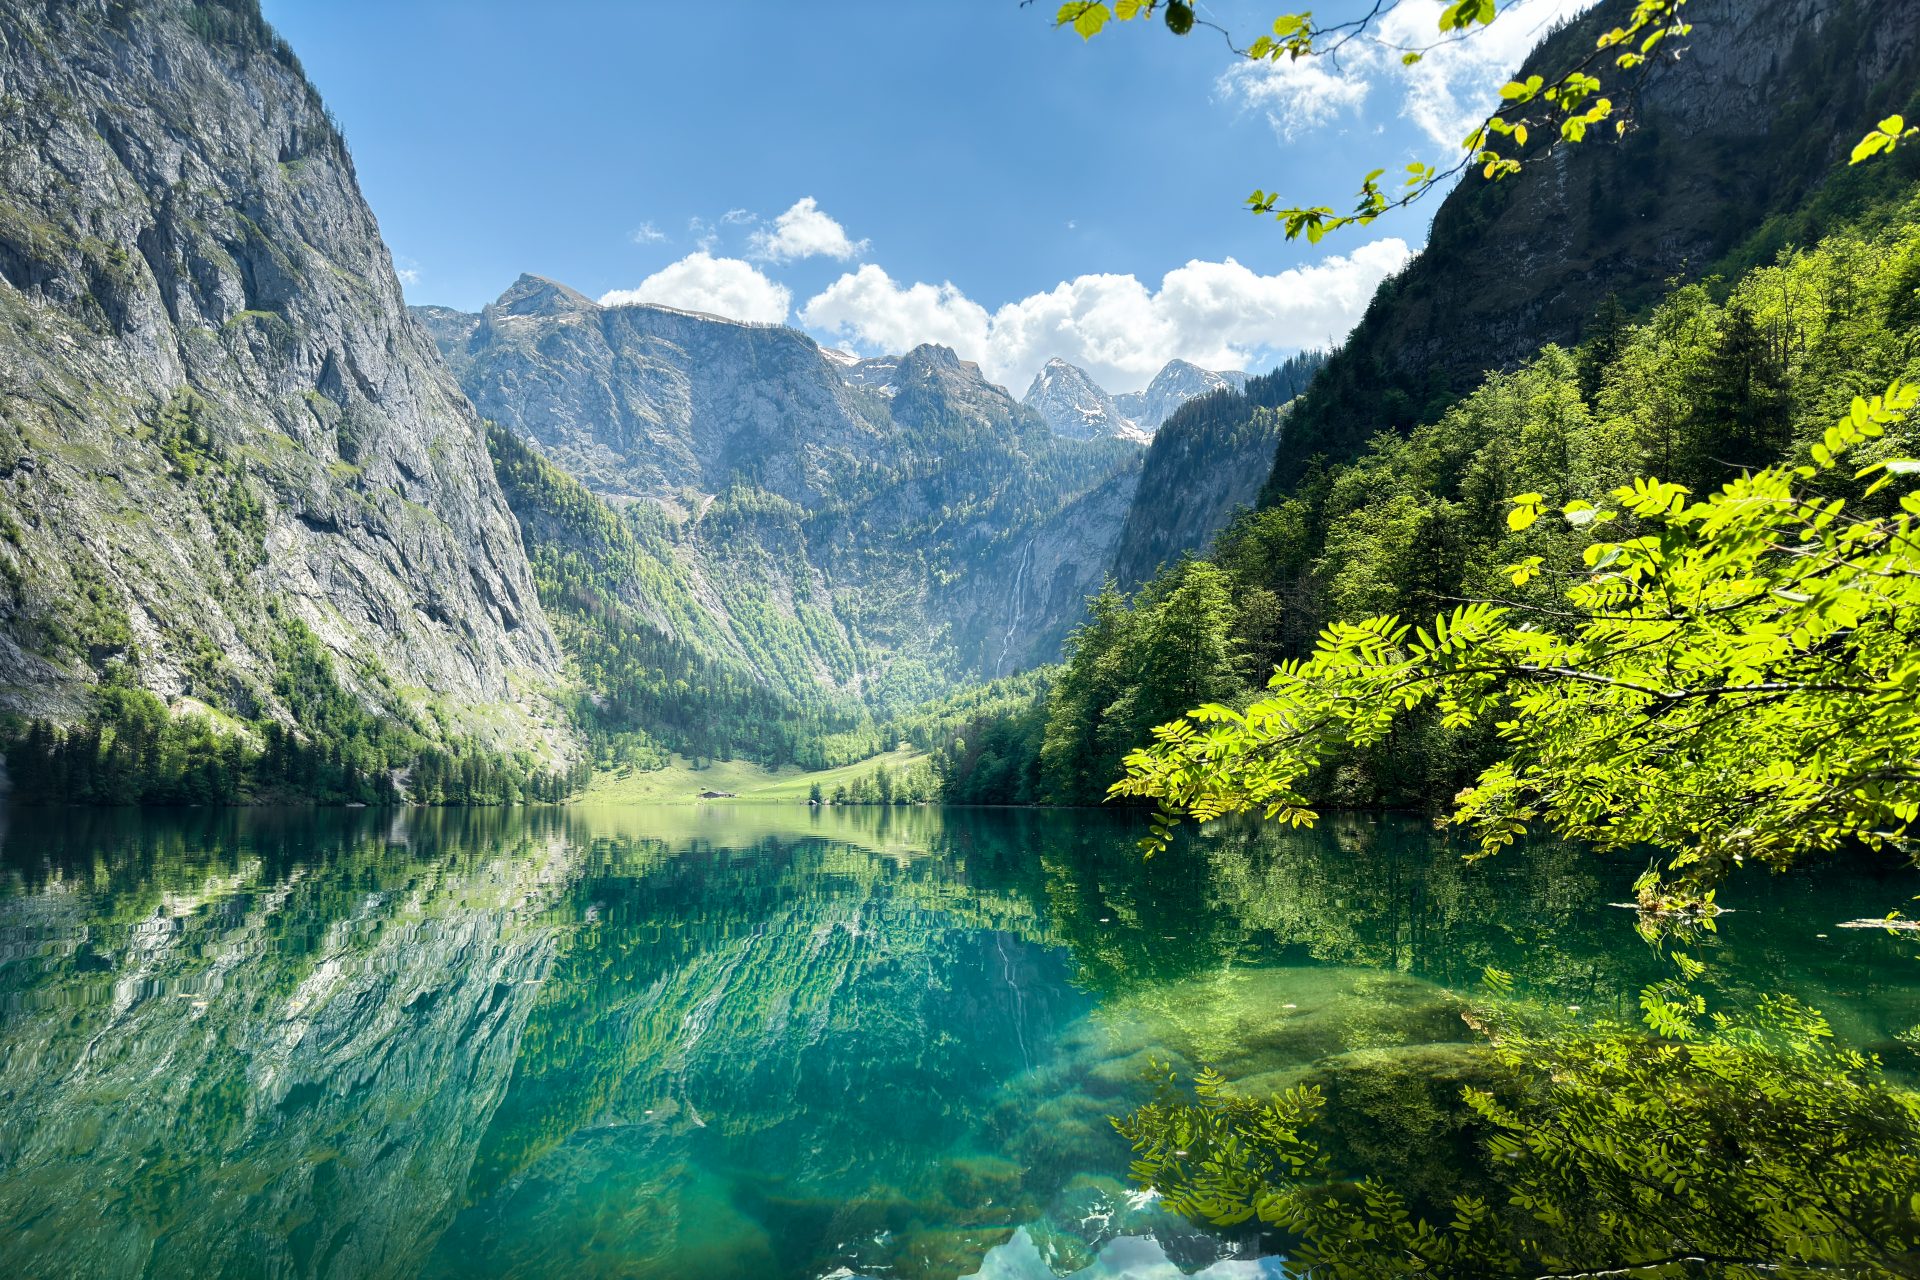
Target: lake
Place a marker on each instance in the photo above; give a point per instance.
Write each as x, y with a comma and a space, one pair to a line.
767, 1042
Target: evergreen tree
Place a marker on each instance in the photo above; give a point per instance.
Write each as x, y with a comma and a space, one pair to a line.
1742, 417
1605, 334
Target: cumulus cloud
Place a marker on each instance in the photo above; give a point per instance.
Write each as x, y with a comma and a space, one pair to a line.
646, 233
1445, 94
407, 271
1216, 314
720, 286
803, 232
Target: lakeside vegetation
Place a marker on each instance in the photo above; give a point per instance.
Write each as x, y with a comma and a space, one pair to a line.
901, 775
131, 748
1720, 377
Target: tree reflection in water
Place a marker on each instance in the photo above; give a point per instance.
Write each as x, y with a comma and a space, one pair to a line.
1704, 1142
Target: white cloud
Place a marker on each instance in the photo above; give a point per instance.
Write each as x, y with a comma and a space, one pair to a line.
739, 217
1445, 94
721, 286
804, 232
1216, 314
868, 306
407, 271
1296, 96
647, 233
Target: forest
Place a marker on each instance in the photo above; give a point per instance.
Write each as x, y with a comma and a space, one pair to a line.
1722, 375
131, 749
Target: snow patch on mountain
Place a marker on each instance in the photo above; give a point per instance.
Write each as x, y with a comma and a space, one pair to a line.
1074, 405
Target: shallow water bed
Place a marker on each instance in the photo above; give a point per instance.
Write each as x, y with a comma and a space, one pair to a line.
765, 1042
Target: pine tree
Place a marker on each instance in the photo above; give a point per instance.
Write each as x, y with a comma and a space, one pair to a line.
1605, 334
1742, 416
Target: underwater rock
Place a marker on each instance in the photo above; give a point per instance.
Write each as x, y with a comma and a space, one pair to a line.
1246, 1022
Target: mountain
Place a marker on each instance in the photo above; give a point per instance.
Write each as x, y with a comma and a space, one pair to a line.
1207, 461
235, 472
1177, 383
1747, 358
1738, 150
1077, 407
871, 530
646, 401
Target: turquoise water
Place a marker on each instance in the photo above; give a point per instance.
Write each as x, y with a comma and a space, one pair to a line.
762, 1042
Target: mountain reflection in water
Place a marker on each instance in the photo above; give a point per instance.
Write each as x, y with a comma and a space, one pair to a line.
763, 1042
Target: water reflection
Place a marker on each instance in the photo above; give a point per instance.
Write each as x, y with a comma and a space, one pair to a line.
762, 1042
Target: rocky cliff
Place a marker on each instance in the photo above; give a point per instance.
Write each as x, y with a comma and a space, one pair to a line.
216, 419
1206, 462
647, 401
867, 527
1075, 406
1737, 144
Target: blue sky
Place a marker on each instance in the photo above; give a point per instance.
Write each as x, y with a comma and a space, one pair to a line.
954, 171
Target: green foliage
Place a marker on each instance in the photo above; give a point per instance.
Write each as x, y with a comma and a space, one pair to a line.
131, 749
1127, 668
1746, 1146
917, 784
1732, 678
1419, 523
666, 673
1884, 137
601, 578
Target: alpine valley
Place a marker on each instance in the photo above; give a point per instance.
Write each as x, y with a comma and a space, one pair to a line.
574, 789
270, 533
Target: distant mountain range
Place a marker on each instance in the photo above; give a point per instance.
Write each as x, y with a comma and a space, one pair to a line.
1076, 406
877, 527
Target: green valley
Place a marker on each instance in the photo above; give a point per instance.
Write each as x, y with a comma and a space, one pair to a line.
832, 651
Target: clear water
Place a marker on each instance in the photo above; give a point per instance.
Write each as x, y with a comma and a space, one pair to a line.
757, 1042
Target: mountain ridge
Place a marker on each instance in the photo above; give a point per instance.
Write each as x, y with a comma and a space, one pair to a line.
1074, 405
228, 441
863, 526
1510, 266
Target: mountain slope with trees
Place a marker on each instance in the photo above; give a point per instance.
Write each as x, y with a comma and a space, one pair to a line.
861, 535
1714, 381
1737, 150
242, 502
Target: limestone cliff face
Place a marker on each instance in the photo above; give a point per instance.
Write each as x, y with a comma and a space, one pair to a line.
1038, 596
216, 416
868, 527
644, 401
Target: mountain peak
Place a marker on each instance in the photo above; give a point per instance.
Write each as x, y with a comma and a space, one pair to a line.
1177, 382
533, 295
932, 355
1074, 405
